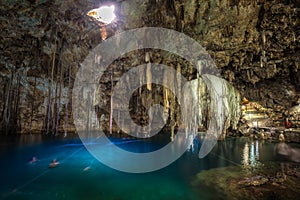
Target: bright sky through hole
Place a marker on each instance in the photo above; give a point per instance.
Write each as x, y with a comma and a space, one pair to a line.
103, 14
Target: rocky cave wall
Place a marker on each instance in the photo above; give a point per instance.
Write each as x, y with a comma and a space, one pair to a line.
255, 45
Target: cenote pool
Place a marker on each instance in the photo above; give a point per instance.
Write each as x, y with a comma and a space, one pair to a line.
80, 176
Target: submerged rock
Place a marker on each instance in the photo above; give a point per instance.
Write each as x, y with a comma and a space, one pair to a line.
233, 183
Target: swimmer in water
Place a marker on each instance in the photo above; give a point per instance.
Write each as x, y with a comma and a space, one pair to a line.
87, 168
54, 163
33, 160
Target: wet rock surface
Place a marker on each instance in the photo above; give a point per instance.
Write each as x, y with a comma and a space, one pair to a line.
271, 181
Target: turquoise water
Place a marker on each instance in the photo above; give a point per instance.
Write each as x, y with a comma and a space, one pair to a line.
80, 176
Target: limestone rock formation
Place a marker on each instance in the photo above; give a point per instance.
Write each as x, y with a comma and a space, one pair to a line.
255, 45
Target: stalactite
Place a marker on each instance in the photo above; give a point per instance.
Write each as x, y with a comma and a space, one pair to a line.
172, 133
123, 119
248, 75
4, 104
148, 72
223, 106
67, 103
6, 112
263, 58
141, 77
55, 108
263, 36
58, 89
111, 105
166, 98
59, 99
32, 105
17, 99
165, 92
118, 120
137, 112
10, 113
49, 109
178, 80
13, 103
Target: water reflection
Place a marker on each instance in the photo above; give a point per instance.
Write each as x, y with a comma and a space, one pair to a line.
20, 140
250, 155
195, 145
287, 152
29, 139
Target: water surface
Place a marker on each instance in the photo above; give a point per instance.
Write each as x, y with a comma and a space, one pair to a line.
80, 176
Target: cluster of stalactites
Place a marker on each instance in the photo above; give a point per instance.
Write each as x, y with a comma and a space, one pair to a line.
213, 104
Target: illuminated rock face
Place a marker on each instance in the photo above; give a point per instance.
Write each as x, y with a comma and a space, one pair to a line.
215, 107
255, 45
